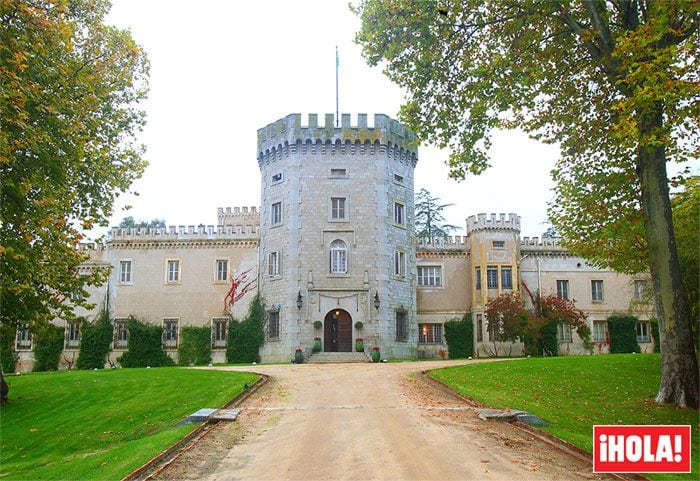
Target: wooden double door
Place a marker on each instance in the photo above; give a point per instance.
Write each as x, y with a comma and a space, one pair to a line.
337, 331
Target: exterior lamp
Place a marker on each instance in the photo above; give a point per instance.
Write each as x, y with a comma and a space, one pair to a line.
376, 300
300, 300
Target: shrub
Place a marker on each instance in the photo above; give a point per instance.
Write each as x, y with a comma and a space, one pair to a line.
48, 345
95, 338
195, 346
318, 325
548, 339
459, 335
655, 334
358, 325
623, 334
246, 337
145, 346
8, 356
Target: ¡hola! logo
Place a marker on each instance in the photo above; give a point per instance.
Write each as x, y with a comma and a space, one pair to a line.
641, 449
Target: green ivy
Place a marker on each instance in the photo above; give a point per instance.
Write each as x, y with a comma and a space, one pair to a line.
459, 335
245, 338
195, 346
8, 356
623, 334
95, 338
48, 345
655, 334
145, 346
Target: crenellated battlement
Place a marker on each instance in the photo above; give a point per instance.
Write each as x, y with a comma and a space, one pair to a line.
200, 232
494, 222
537, 244
289, 132
238, 216
90, 247
457, 242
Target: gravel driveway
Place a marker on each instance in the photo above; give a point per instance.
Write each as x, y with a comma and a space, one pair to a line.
366, 421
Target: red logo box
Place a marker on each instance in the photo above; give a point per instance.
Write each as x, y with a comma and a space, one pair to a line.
641, 449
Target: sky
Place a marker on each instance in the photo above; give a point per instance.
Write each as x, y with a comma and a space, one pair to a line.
222, 69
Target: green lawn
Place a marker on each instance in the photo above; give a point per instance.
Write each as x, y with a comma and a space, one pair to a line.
575, 392
102, 424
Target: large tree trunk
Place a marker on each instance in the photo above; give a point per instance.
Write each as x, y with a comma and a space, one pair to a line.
679, 367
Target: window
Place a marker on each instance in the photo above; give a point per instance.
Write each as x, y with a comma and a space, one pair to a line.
492, 277
600, 331
338, 208
24, 337
339, 257
173, 271
401, 327
73, 335
643, 332
597, 291
399, 263
563, 332
640, 290
398, 179
429, 276
339, 172
563, 289
478, 278
498, 244
221, 270
125, 272
76, 296
170, 333
218, 332
276, 213
479, 327
277, 177
429, 333
399, 209
495, 330
121, 334
273, 263
273, 325
506, 278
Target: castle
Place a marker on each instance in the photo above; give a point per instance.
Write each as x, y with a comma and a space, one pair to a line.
333, 252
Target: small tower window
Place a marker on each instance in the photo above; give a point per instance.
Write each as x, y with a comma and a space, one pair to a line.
339, 257
277, 177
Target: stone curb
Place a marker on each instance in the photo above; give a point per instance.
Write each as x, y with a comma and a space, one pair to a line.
550, 439
166, 457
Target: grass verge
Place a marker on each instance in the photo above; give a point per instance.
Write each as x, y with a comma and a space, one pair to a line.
575, 392
102, 424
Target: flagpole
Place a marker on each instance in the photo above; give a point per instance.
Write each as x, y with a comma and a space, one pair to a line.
337, 62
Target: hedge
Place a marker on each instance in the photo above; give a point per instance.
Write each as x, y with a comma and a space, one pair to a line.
48, 345
95, 339
655, 334
245, 338
145, 346
195, 346
8, 356
459, 335
623, 334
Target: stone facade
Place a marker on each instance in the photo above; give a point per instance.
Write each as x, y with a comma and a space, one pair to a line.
337, 232
333, 245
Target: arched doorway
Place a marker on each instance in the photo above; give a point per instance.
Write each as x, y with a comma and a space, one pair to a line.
337, 330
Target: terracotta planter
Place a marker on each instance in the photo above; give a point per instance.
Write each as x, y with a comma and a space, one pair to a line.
359, 345
317, 345
298, 356
376, 355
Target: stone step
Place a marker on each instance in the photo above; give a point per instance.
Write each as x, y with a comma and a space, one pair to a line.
329, 357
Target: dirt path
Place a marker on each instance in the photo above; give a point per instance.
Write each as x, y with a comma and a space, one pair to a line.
366, 421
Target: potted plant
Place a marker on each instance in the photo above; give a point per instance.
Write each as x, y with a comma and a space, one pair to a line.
360, 344
299, 356
376, 355
317, 344
318, 325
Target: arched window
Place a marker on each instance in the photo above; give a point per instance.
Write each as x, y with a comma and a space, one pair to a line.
339, 257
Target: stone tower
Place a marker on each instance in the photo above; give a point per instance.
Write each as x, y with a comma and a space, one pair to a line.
494, 243
337, 241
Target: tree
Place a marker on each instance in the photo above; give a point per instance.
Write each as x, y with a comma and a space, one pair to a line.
429, 218
130, 222
68, 119
614, 83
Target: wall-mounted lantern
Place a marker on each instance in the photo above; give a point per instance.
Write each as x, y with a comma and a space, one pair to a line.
376, 300
300, 300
